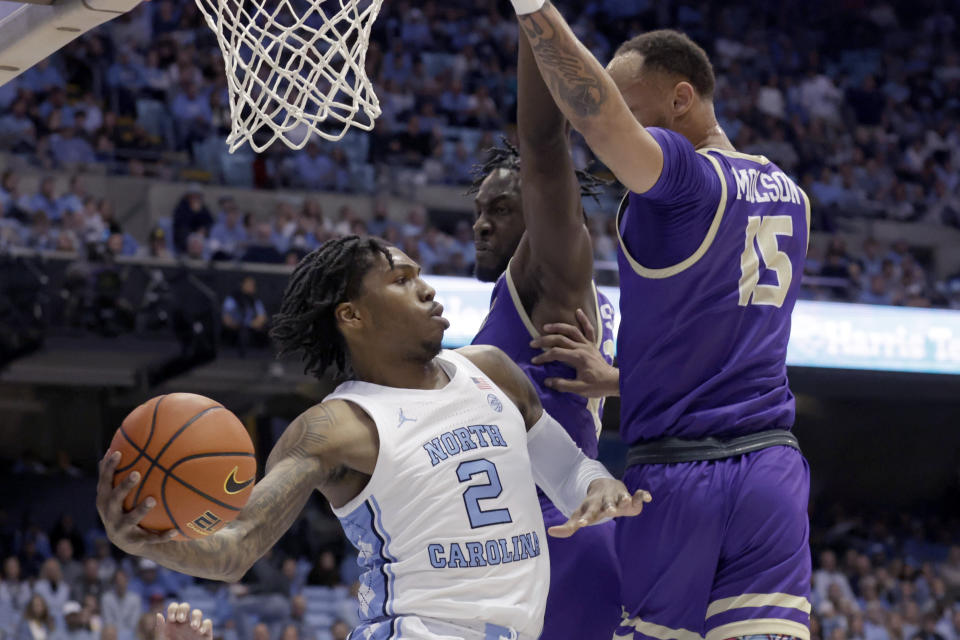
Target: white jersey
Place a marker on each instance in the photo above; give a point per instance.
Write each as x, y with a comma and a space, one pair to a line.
449, 526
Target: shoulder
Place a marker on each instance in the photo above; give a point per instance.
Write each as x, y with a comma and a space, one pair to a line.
505, 373
322, 433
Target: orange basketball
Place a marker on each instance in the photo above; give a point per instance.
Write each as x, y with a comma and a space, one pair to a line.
195, 459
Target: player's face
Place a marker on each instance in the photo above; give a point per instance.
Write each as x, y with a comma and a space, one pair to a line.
397, 309
499, 223
648, 94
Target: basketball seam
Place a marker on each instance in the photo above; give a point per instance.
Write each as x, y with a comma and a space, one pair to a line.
153, 424
166, 446
170, 473
218, 454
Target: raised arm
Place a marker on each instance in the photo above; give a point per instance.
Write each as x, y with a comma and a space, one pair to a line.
296, 466
588, 97
557, 239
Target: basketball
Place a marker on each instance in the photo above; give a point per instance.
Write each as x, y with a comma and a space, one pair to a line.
195, 459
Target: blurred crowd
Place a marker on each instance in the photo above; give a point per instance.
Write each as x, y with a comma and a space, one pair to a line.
859, 102
886, 578
69, 583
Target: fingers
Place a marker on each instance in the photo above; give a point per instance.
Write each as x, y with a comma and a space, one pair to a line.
206, 629
172, 612
553, 340
183, 610
196, 618
566, 356
158, 626
565, 385
586, 327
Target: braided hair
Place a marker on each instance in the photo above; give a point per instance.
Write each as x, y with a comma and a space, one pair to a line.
324, 279
508, 157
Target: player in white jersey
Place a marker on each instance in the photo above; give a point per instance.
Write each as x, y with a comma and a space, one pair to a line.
429, 458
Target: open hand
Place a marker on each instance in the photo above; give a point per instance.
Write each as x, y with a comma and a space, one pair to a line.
576, 346
182, 624
121, 526
606, 498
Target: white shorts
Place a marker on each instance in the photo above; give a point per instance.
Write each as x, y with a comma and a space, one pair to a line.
420, 628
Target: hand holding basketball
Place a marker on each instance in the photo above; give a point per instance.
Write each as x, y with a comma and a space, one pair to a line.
122, 527
183, 624
183, 453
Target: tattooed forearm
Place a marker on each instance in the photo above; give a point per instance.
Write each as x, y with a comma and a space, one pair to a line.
574, 82
294, 470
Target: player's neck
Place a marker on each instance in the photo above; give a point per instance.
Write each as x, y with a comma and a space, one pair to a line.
705, 132
402, 374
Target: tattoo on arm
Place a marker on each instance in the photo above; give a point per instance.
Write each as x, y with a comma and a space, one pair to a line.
569, 78
294, 470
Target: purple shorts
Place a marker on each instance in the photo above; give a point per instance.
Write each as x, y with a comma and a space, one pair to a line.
721, 551
584, 597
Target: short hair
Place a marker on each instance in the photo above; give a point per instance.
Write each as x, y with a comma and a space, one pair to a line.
674, 53
324, 279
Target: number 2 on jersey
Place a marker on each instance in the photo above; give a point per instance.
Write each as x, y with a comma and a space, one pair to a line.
765, 231
477, 492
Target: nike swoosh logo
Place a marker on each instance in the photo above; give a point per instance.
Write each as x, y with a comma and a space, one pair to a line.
231, 486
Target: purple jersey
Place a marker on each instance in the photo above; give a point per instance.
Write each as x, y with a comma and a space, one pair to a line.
508, 327
710, 264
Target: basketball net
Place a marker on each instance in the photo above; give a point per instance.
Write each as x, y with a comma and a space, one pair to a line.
294, 68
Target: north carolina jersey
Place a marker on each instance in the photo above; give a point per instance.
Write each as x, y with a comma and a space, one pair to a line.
448, 527
509, 328
710, 264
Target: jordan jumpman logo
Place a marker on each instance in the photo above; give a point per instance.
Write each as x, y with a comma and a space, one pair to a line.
404, 418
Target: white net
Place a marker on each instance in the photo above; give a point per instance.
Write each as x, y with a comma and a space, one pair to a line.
295, 68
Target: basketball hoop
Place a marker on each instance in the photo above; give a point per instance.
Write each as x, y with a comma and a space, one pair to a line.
295, 68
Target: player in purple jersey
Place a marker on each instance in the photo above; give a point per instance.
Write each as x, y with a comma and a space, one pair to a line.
712, 243
531, 239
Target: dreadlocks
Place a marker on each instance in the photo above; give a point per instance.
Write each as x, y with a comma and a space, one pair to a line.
324, 278
508, 157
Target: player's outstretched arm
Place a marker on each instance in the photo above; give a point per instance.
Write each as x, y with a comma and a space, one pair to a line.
297, 465
557, 240
183, 624
588, 97
576, 347
581, 488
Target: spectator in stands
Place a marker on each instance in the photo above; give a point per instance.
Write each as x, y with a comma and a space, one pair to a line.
37, 623
261, 247
52, 586
340, 630
91, 613
297, 619
878, 292
228, 236
70, 150
433, 249
312, 169
197, 247
121, 608
156, 246
88, 583
244, 316
74, 626
74, 197
325, 571
18, 134
192, 114
828, 575
70, 568
14, 590
190, 215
